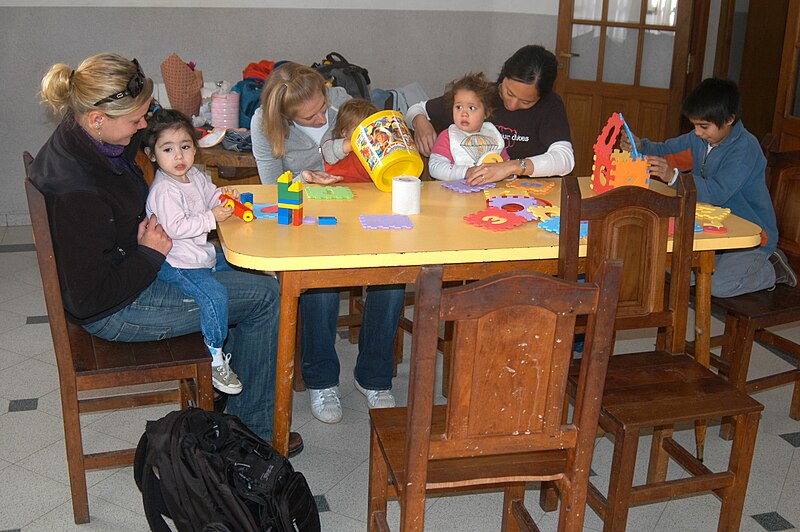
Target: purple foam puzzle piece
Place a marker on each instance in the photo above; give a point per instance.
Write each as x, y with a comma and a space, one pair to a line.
462, 187
385, 221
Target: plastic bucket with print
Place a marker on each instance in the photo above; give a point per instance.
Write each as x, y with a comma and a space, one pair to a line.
384, 145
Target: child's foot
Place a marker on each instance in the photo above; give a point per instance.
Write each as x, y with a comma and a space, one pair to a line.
224, 379
784, 274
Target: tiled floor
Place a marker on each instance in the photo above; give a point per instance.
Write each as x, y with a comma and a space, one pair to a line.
33, 474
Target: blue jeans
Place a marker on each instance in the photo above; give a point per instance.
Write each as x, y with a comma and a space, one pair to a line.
210, 295
741, 272
162, 311
320, 310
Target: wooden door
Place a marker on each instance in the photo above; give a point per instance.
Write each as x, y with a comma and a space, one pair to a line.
627, 56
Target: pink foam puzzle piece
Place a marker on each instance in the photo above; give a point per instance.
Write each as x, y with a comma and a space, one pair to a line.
385, 221
265, 210
462, 187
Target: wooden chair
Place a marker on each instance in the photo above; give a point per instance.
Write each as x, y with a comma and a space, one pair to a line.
662, 388
502, 425
86, 362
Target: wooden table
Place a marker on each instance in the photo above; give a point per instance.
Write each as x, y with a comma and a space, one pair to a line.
314, 256
218, 157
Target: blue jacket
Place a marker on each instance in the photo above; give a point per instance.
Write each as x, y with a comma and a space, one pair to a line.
731, 175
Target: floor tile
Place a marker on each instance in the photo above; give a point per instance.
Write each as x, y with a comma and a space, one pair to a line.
103, 517
22, 405
24, 433
38, 379
773, 522
31, 496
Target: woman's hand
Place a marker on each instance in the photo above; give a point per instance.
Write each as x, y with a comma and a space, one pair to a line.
490, 172
221, 212
319, 178
660, 168
424, 135
151, 235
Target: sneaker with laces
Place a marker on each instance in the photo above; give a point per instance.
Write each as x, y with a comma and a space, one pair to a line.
377, 398
224, 379
784, 274
325, 404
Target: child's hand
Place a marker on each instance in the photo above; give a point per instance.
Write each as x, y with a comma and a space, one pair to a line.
221, 213
660, 168
230, 191
625, 142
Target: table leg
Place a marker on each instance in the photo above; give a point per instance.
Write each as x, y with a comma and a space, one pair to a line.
702, 331
287, 328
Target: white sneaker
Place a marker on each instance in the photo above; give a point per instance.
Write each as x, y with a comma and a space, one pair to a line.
224, 379
325, 404
377, 398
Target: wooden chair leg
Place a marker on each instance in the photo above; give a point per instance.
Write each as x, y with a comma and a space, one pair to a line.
744, 442
447, 354
378, 484
794, 409
737, 352
621, 481
512, 493
76, 463
659, 459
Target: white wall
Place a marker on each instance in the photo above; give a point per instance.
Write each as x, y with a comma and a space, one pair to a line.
397, 46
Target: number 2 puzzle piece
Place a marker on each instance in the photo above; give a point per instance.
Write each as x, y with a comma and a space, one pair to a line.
494, 219
329, 193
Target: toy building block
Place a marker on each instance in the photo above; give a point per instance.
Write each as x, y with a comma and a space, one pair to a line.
239, 209
246, 198
290, 200
614, 168
327, 220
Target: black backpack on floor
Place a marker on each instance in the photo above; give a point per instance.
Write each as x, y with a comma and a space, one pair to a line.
339, 72
209, 472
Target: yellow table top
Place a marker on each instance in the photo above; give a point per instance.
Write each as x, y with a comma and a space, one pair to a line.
439, 236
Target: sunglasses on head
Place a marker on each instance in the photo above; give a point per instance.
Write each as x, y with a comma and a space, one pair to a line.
135, 85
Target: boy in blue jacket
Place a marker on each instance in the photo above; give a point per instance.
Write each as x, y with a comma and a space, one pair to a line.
728, 167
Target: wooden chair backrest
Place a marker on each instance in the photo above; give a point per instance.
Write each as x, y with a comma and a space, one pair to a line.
511, 351
59, 326
633, 224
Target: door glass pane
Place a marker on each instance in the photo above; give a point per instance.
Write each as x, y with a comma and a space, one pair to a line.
624, 10
619, 64
585, 43
657, 58
587, 10
661, 12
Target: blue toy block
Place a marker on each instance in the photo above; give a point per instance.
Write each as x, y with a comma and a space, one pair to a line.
327, 220
246, 197
285, 216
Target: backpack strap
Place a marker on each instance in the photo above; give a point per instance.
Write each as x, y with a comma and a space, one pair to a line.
336, 57
149, 486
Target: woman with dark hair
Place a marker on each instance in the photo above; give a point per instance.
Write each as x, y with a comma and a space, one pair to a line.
529, 115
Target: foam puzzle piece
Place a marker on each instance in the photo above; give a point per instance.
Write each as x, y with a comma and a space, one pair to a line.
534, 186
544, 212
710, 215
385, 221
462, 187
614, 168
554, 226
265, 210
327, 220
329, 193
671, 227
492, 192
310, 220
494, 219
518, 205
